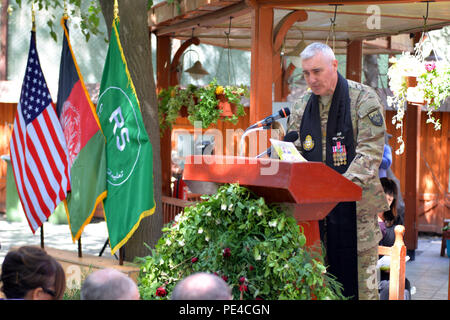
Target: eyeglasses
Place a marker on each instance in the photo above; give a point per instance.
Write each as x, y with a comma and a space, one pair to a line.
49, 291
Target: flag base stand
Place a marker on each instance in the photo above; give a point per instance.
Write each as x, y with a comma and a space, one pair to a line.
104, 247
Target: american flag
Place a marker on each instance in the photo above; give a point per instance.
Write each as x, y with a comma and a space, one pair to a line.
39, 154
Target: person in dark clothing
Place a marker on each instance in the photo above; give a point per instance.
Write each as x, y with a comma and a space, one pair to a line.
387, 221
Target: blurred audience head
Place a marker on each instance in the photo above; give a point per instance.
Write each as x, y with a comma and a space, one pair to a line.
30, 273
109, 284
202, 286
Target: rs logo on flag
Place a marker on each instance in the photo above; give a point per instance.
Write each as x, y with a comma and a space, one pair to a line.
119, 124
121, 128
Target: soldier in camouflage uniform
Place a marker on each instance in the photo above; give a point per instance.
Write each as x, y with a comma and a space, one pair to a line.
320, 71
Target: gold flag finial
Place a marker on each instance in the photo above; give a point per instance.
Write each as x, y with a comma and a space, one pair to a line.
65, 14
116, 9
33, 17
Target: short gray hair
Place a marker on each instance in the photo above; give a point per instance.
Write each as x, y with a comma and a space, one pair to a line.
202, 286
315, 48
107, 284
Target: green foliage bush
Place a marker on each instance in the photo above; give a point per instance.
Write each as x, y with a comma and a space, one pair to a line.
257, 249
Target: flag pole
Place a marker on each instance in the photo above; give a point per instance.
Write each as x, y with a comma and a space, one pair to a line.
42, 236
33, 28
80, 253
116, 15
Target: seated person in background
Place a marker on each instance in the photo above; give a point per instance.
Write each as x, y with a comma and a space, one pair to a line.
386, 161
30, 273
389, 219
109, 284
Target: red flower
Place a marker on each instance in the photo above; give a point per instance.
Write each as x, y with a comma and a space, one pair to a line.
430, 66
226, 252
225, 278
242, 279
251, 268
161, 292
194, 260
243, 288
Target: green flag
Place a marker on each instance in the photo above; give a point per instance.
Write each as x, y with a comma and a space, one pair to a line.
129, 155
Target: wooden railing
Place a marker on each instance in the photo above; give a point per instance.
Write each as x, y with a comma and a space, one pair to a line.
173, 206
397, 267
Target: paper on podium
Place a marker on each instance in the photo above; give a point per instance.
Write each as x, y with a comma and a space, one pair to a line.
287, 151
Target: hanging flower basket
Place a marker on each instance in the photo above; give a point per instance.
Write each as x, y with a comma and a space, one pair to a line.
184, 112
201, 104
414, 80
228, 109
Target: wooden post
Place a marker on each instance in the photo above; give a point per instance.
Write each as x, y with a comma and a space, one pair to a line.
354, 60
412, 166
412, 169
163, 48
261, 64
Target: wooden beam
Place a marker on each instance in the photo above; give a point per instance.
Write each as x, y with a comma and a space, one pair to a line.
354, 60
261, 64
279, 66
4, 40
212, 18
285, 24
163, 52
296, 3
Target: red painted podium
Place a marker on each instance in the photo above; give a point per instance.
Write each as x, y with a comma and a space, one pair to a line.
306, 190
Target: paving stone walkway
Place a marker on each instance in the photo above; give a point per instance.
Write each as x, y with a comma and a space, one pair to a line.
14, 234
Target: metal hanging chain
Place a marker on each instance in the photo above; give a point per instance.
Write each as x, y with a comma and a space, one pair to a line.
333, 27
227, 34
425, 32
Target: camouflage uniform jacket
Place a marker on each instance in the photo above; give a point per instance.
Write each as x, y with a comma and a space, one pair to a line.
368, 131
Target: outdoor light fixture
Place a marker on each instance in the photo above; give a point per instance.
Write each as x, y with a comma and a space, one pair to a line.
197, 71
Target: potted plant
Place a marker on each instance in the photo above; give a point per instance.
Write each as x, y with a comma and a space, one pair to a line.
413, 79
203, 104
172, 101
257, 249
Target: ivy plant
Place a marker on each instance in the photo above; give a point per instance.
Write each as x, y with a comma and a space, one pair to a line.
255, 247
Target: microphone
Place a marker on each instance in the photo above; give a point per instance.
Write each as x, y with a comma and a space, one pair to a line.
291, 136
282, 113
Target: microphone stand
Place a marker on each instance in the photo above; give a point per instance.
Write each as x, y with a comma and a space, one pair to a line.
246, 132
262, 154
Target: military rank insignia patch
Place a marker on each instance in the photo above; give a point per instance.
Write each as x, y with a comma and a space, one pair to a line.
308, 144
376, 118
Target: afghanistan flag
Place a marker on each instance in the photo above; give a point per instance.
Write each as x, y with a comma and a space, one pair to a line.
129, 155
84, 139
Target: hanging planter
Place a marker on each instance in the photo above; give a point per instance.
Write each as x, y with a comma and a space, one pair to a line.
227, 109
414, 80
201, 104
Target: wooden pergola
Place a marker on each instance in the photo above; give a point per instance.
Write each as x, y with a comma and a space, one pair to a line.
270, 28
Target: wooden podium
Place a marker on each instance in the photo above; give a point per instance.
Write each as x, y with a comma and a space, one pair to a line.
307, 190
